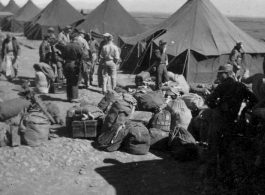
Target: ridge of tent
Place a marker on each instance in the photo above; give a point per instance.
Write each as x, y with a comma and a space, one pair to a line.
1, 6
28, 11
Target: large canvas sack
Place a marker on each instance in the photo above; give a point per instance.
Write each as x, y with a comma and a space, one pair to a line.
158, 138
119, 112
161, 120
34, 129
13, 107
111, 140
151, 101
193, 101
138, 139
110, 97
180, 114
140, 78
182, 144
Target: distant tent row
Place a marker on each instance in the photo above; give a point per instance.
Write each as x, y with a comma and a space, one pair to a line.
199, 40
16, 22
10, 9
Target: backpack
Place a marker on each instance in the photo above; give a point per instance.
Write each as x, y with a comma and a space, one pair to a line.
151, 101
161, 120
180, 114
13, 107
118, 113
138, 139
182, 144
158, 138
111, 140
193, 101
34, 128
140, 78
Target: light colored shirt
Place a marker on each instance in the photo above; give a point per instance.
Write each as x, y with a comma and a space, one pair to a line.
110, 52
83, 43
41, 83
10, 48
63, 37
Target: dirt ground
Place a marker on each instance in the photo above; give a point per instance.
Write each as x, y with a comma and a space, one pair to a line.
66, 166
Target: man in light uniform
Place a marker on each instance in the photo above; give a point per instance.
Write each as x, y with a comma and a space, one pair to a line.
65, 34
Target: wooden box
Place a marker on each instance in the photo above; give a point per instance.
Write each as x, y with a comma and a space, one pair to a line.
86, 129
59, 88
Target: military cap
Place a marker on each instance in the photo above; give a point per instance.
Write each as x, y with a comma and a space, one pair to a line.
73, 35
68, 27
51, 29
107, 35
239, 43
82, 31
162, 42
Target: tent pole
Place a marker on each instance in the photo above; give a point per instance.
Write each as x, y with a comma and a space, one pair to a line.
188, 67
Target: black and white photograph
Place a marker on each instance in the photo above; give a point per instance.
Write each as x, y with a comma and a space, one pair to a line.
132, 97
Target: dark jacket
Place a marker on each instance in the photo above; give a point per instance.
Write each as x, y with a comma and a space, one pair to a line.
160, 57
16, 47
44, 50
228, 96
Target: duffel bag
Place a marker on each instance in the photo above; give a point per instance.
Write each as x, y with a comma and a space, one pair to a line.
140, 78
180, 114
193, 101
110, 97
119, 112
151, 101
182, 144
158, 138
161, 120
111, 140
34, 128
180, 80
13, 107
138, 139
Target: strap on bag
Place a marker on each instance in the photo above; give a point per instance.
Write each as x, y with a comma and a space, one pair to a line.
173, 134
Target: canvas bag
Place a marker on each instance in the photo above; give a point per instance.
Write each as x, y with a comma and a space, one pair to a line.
180, 114
12, 107
161, 120
34, 128
111, 140
151, 101
118, 113
158, 138
110, 97
193, 101
138, 139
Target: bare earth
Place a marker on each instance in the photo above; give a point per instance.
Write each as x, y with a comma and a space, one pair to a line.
65, 166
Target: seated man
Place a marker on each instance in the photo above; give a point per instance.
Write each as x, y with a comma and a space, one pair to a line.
43, 77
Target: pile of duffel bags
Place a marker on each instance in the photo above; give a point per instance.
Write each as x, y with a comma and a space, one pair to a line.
166, 128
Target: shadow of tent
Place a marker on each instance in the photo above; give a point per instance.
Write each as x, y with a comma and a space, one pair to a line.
165, 177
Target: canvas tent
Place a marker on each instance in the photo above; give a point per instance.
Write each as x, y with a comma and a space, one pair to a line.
4, 15
11, 7
57, 14
16, 22
200, 39
1, 6
111, 17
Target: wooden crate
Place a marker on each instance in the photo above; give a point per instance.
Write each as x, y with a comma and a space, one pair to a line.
59, 88
86, 129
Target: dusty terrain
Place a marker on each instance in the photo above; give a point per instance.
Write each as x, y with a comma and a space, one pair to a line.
66, 166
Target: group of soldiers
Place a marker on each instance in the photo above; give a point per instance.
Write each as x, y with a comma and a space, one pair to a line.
73, 56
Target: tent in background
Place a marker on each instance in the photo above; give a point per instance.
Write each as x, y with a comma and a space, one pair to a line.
111, 17
11, 7
199, 38
57, 14
1, 6
16, 22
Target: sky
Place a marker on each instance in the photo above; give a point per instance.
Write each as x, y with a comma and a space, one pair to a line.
249, 8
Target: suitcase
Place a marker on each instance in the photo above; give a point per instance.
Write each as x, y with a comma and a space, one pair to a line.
59, 88
142, 117
86, 129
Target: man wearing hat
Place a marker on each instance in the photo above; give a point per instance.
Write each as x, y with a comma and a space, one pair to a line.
225, 103
50, 32
64, 35
235, 58
110, 57
161, 61
86, 60
73, 55
45, 49
10, 55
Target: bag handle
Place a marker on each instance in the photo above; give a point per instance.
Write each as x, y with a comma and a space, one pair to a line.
117, 133
22, 127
